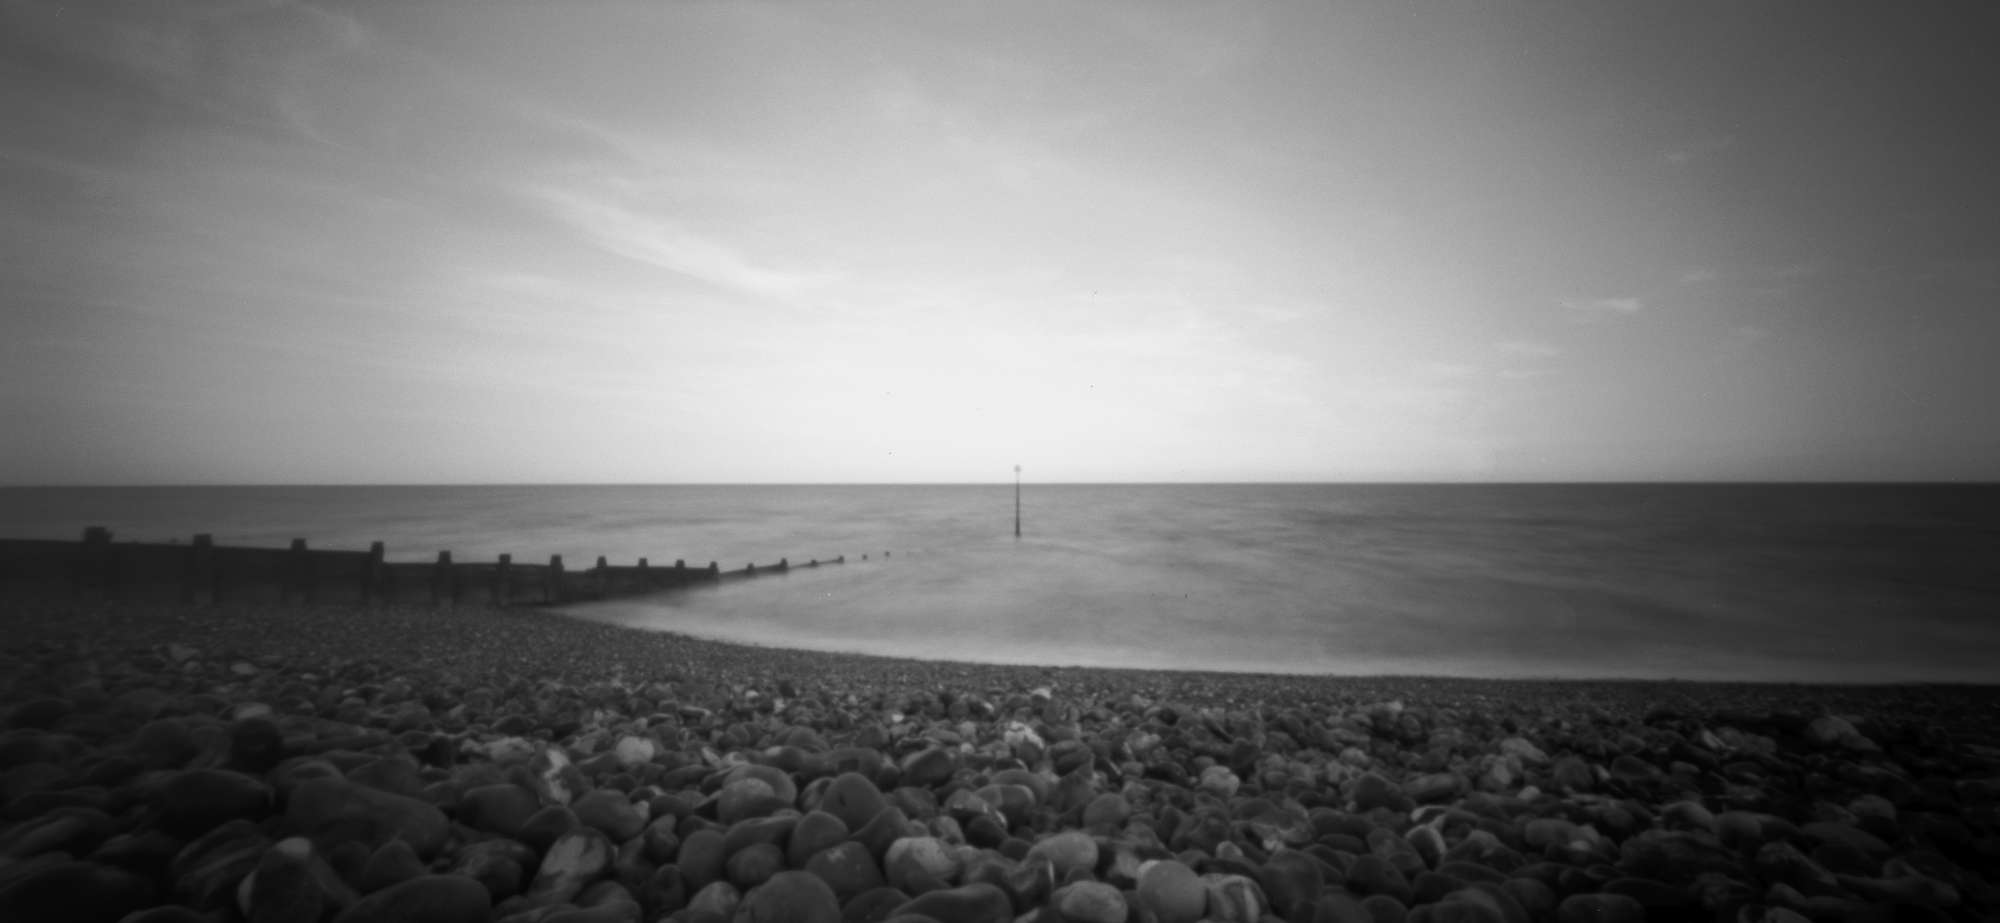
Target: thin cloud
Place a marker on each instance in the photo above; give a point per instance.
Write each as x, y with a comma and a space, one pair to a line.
1699, 275
1626, 305
667, 244
1527, 349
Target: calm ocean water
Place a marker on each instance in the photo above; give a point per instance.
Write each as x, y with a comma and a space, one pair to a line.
1861, 583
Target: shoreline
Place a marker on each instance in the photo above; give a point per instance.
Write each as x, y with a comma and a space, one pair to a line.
383, 760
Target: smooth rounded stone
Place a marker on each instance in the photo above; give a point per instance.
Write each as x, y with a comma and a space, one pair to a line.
919, 864
974, 903
611, 912
661, 843
777, 780
291, 882
1106, 813
206, 872
194, 801
1372, 791
1070, 851
747, 798
1524, 750
1385, 909
611, 812
1233, 899
1430, 887
548, 824
1338, 906
852, 798
1628, 768
1830, 731
701, 858
814, 832
1427, 843
375, 817
1292, 881
575, 859
168, 913
256, 744
758, 830
1220, 782
930, 767
1740, 829
395, 775
1435, 787
1660, 900
1846, 835
1673, 857
1600, 908
1571, 773
753, 865
71, 890
501, 866
847, 868
1533, 896
1452, 911
1090, 902
164, 743
633, 752
1781, 861
1372, 874
1688, 815
664, 891
391, 863
790, 897
425, 899
502, 808
1034, 782
1172, 891
73, 830
1385, 843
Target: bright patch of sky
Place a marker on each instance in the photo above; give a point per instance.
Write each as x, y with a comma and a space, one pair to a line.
290, 242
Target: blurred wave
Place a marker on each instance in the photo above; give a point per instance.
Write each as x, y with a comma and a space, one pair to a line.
1862, 583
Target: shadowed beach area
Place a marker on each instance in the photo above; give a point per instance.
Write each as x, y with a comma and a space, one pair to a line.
308, 763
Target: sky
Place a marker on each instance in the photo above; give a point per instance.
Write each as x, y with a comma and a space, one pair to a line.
828, 242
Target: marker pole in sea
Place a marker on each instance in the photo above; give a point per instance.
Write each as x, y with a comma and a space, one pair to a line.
1017, 501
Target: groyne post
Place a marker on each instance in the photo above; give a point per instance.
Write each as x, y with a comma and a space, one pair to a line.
371, 574
601, 577
443, 586
298, 573
503, 581
199, 581
95, 567
553, 591
645, 574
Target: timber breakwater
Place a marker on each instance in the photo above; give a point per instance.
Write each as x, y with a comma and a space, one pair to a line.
202, 572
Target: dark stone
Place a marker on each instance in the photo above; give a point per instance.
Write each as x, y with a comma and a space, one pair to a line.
973, 903
74, 891
853, 799
426, 899
194, 801
340, 808
790, 897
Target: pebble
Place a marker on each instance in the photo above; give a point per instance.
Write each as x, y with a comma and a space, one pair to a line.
424, 899
1090, 902
705, 792
790, 897
1172, 891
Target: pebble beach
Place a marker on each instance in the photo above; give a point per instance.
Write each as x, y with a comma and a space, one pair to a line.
308, 763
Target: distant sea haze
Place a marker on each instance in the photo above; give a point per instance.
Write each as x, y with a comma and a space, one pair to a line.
1766, 583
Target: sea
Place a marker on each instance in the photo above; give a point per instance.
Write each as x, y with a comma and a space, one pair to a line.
1862, 583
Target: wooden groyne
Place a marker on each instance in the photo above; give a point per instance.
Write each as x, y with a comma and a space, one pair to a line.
202, 572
